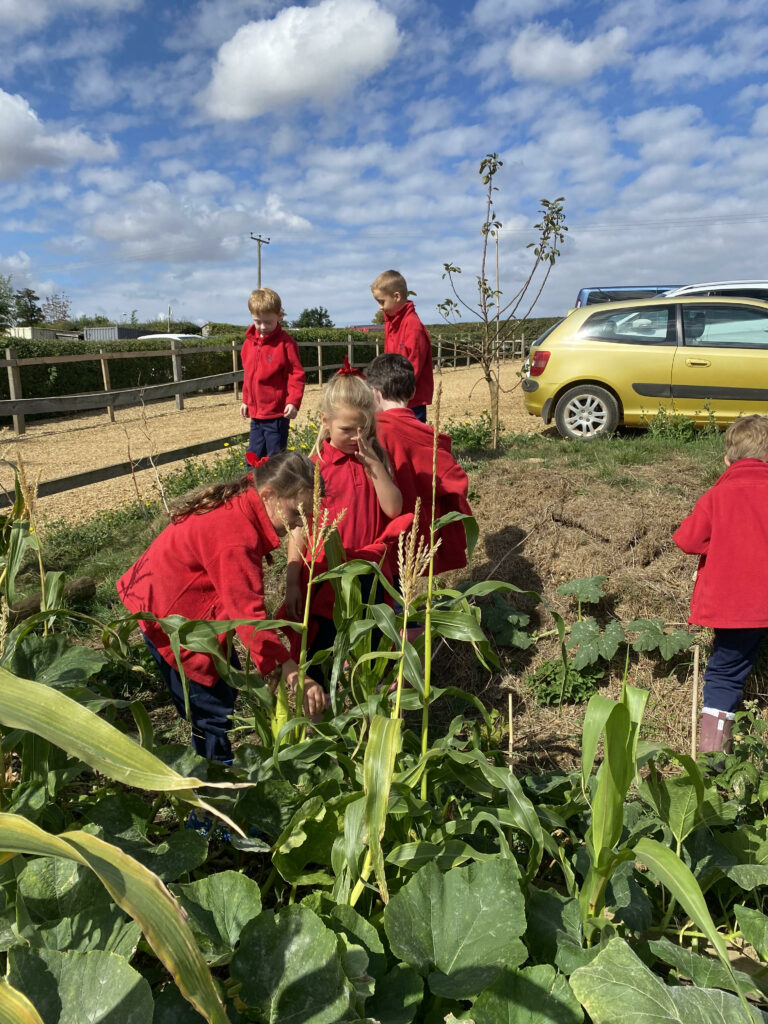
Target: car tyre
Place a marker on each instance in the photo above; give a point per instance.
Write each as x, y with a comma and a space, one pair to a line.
586, 412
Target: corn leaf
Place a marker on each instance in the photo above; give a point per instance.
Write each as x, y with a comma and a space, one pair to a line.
383, 745
138, 892
15, 1008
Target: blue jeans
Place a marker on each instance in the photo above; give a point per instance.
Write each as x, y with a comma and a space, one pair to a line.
268, 437
733, 655
210, 706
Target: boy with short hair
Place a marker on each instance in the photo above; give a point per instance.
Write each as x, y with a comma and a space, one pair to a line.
409, 444
728, 528
273, 377
405, 333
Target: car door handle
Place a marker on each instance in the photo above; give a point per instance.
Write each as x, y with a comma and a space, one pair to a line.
697, 362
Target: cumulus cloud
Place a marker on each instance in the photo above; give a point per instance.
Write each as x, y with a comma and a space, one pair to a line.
182, 225
541, 54
304, 53
17, 17
26, 142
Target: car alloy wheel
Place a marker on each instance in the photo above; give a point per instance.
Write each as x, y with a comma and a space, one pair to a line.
586, 412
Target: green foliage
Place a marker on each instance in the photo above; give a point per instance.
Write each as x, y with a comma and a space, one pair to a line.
558, 682
369, 876
471, 434
317, 316
27, 311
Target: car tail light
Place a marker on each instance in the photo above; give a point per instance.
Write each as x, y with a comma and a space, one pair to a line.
539, 361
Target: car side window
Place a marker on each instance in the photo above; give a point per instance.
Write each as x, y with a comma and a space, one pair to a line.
646, 325
724, 326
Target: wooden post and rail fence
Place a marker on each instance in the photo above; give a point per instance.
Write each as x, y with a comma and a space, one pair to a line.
447, 352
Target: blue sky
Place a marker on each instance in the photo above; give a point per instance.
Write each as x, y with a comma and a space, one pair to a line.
143, 141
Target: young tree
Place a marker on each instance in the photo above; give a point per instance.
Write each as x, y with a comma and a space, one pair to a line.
28, 311
315, 317
57, 308
498, 319
378, 317
7, 302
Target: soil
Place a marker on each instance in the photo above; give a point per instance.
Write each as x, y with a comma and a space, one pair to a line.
58, 448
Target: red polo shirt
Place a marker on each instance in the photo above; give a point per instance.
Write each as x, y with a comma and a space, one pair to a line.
208, 566
273, 376
729, 529
406, 334
409, 444
348, 486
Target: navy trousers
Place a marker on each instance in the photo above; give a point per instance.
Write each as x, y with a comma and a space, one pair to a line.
268, 437
420, 412
733, 655
210, 707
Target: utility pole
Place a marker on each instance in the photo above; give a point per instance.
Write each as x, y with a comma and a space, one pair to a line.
259, 241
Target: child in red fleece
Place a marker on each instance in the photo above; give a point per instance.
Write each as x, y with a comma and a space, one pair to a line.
728, 528
405, 334
273, 377
208, 565
409, 445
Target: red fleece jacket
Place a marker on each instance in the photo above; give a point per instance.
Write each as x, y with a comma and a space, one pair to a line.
409, 444
406, 334
208, 566
729, 529
273, 376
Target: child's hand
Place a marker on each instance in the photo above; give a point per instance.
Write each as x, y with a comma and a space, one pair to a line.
290, 412
366, 454
294, 602
244, 411
316, 700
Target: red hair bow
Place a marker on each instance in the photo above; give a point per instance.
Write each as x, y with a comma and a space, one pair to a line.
349, 370
253, 460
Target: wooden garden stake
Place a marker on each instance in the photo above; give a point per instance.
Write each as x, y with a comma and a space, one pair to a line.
694, 699
511, 733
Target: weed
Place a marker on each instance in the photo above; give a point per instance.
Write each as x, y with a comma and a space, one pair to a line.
552, 678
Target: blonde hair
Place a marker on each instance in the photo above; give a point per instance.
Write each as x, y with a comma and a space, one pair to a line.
389, 282
747, 438
289, 474
347, 389
265, 300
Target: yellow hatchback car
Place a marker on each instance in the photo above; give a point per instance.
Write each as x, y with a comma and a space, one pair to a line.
622, 362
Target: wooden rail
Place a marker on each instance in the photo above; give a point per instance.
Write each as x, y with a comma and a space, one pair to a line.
95, 476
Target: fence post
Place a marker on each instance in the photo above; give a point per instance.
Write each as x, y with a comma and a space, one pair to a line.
350, 351
319, 363
467, 341
235, 368
378, 347
440, 353
177, 377
14, 390
455, 353
107, 384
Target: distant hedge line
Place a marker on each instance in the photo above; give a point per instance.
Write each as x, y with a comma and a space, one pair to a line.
76, 378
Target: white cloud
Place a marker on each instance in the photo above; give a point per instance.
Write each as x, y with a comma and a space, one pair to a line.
111, 180
25, 142
540, 53
760, 123
18, 17
183, 226
489, 14
304, 53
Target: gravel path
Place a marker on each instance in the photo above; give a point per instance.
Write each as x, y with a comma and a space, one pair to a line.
59, 448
